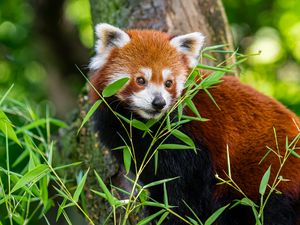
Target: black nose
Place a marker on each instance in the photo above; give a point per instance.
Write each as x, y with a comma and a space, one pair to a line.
158, 103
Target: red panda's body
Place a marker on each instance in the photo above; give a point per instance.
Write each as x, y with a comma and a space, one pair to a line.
245, 123
157, 66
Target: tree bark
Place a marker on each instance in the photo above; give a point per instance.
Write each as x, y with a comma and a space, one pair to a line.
173, 16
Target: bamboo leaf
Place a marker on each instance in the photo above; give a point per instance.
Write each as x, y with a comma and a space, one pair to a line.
192, 107
90, 113
41, 122
184, 138
127, 158
201, 66
162, 218
32, 176
109, 196
215, 215
80, 187
174, 146
150, 218
264, 181
139, 125
7, 128
155, 183
114, 87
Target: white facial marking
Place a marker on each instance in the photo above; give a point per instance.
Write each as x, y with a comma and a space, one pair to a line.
147, 72
166, 73
180, 81
142, 101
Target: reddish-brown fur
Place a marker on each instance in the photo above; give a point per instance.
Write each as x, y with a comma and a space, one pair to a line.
147, 48
245, 122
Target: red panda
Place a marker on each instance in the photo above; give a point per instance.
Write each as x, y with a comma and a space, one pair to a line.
157, 66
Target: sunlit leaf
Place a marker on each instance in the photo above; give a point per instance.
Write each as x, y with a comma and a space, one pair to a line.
32, 176
213, 68
7, 128
174, 146
114, 87
41, 122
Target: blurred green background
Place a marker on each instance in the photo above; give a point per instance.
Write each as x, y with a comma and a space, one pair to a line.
42, 41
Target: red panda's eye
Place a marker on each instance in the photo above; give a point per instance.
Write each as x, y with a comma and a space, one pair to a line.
141, 81
168, 83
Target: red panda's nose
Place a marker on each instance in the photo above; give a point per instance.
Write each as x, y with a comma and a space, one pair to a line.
158, 102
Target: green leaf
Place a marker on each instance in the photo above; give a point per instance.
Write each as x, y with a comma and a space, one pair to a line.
212, 98
162, 218
201, 66
194, 222
210, 48
41, 122
7, 128
6, 94
32, 176
264, 181
114, 87
168, 122
194, 118
294, 153
184, 138
174, 146
215, 215
180, 111
60, 208
139, 125
135, 123
90, 113
191, 79
80, 187
166, 201
127, 158
44, 191
158, 182
150, 218
192, 107
213, 79
155, 162
107, 193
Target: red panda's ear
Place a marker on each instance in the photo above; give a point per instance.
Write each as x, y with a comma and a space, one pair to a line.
108, 37
190, 45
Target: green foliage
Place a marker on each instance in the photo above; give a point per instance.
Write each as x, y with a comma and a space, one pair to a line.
272, 27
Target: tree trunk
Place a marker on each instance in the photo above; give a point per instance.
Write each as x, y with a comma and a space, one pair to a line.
173, 16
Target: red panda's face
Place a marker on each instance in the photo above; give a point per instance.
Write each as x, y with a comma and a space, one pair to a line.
156, 64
